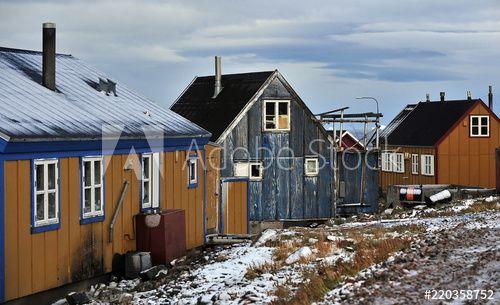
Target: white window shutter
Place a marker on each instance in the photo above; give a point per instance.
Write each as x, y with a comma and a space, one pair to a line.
156, 181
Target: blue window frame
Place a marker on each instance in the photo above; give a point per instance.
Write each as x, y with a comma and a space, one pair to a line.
192, 164
45, 200
92, 182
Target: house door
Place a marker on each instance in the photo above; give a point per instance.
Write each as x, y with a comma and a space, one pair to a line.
212, 190
234, 215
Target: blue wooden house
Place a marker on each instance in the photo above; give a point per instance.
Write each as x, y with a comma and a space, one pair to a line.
268, 135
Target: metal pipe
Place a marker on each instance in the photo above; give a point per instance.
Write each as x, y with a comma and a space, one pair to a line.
117, 210
218, 76
49, 56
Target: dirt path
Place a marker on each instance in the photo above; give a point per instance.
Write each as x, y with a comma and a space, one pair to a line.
464, 257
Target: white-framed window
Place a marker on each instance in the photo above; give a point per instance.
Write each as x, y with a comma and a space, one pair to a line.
311, 167
150, 181
46, 192
386, 161
414, 164
398, 162
193, 171
427, 164
479, 126
92, 193
276, 115
251, 170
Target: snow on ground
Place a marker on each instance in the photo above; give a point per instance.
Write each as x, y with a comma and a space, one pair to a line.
251, 273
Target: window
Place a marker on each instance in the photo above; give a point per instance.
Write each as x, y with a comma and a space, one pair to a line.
252, 170
398, 162
479, 126
150, 181
311, 167
46, 190
386, 162
427, 165
193, 171
414, 164
277, 115
92, 194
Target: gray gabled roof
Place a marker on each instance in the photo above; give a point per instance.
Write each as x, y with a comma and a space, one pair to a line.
76, 110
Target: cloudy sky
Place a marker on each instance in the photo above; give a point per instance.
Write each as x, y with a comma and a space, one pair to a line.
330, 51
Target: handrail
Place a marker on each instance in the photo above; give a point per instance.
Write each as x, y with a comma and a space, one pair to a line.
117, 210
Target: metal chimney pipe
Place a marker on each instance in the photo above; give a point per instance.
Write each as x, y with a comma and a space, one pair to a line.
218, 76
427, 97
49, 56
490, 97
441, 95
469, 95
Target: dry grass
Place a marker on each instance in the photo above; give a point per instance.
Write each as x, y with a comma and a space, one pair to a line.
325, 278
255, 271
477, 207
284, 249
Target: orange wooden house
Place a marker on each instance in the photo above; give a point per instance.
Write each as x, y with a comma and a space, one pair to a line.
442, 142
62, 175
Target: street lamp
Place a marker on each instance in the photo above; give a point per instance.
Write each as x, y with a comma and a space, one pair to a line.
377, 125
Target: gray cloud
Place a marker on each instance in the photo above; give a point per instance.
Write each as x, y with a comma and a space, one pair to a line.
331, 51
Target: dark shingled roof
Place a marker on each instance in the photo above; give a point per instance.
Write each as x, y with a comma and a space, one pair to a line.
215, 114
428, 122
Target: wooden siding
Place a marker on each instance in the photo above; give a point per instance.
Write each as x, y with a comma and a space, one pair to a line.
235, 207
37, 262
212, 190
391, 178
469, 161
282, 193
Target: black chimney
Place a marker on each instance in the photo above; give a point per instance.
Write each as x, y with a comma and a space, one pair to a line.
49, 56
441, 95
427, 97
469, 95
490, 97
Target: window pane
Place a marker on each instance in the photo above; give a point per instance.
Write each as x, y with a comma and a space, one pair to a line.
52, 205
39, 207
484, 130
270, 124
484, 121
97, 172
192, 170
283, 108
86, 167
145, 168
475, 130
52, 176
39, 177
255, 171
87, 206
97, 200
270, 108
145, 192
475, 120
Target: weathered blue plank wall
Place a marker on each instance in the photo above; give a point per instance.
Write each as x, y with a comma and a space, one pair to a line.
350, 171
284, 192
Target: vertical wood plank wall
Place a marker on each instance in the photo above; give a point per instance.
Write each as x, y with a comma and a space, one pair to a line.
235, 207
469, 161
37, 262
391, 178
212, 191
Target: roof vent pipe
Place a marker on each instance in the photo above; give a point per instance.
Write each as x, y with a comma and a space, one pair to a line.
441, 95
490, 97
469, 95
49, 56
218, 76
427, 97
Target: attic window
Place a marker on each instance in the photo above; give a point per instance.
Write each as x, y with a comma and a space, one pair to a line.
252, 170
311, 167
276, 115
107, 86
479, 126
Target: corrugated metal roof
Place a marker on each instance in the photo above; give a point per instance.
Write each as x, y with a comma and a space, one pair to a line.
76, 110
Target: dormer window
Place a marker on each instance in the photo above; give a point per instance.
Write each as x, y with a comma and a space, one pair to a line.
479, 126
276, 115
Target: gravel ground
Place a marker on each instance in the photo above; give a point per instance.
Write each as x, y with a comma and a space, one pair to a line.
462, 256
